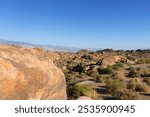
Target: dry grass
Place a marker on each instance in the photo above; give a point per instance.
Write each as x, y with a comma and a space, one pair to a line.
137, 85
118, 75
124, 94
114, 85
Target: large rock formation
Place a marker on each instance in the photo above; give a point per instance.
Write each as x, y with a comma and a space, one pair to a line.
29, 74
111, 60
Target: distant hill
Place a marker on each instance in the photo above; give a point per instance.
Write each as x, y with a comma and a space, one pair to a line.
59, 48
46, 47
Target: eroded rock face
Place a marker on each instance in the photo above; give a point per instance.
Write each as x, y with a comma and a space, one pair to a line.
111, 60
29, 74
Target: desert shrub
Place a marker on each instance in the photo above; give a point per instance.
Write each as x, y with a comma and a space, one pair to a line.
142, 87
93, 73
111, 69
77, 68
137, 85
147, 80
107, 70
131, 85
101, 79
105, 78
76, 91
143, 61
65, 71
125, 94
133, 73
83, 75
117, 66
76, 74
118, 75
120, 64
114, 85
136, 72
70, 77
144, 72
98, 80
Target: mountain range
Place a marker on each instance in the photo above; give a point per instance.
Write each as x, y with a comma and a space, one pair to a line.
50, 47
46, 47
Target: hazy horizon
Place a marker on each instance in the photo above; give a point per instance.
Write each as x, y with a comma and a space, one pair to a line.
116, 24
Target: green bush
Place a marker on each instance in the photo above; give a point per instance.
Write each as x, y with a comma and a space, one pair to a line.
65, 71
111, 69
125, 94
107, 70
70, 77
76, 74
118, 66
93, 73
83, 75
114, 85
76, 91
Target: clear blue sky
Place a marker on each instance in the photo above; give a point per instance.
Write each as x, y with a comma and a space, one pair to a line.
117, 24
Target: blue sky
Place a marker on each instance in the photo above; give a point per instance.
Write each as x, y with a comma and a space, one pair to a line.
117, 24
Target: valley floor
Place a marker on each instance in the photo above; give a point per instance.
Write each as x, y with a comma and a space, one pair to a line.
106, 75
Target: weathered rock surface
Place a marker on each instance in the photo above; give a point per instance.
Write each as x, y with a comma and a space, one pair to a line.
111, 60
29, 74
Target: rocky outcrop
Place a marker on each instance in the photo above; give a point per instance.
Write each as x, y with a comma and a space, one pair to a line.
29, 74
111, 60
